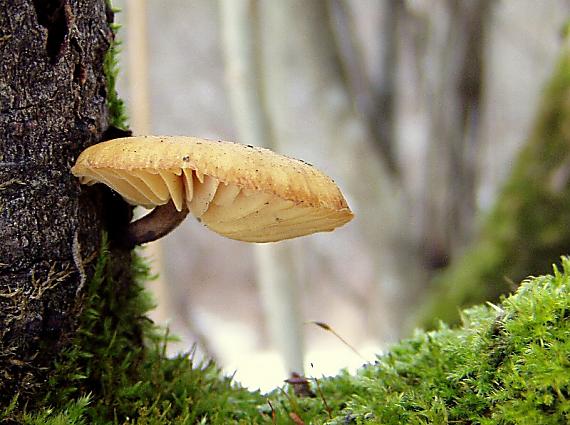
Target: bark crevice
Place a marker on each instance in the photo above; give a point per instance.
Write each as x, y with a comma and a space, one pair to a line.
54, 16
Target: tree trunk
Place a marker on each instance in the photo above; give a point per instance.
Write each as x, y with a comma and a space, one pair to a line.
53, 104
276, 263
308, 104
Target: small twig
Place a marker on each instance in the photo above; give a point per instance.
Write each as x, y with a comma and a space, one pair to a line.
11, 294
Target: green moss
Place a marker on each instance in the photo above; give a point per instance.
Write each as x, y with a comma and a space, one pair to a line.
507, 364
529, 227
116, 106
106, 376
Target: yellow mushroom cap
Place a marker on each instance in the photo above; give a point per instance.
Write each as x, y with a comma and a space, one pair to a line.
241, 192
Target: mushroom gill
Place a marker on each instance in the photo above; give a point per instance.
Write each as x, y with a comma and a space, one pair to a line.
241, 192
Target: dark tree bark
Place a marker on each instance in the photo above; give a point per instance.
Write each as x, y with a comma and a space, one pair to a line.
53, 93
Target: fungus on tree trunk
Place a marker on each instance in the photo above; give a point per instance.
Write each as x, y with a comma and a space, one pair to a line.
238, 191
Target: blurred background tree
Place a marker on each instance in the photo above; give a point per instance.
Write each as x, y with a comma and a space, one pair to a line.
420, 109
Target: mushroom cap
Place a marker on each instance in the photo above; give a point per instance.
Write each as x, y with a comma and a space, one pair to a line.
239, 191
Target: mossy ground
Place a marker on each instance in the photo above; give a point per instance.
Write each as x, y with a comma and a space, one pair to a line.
507, 364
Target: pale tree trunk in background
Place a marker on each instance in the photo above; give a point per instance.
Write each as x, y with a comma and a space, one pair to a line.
139, 120
385, 91
279, 281
317, 110
139, 90
276, 267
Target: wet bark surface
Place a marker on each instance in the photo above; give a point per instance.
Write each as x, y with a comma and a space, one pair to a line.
52, 105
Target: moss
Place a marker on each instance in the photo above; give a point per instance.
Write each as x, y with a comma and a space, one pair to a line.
116, 106
529, 227
507, 364
107, 377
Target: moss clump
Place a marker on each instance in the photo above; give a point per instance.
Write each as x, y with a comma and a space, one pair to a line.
116, 106
529, 227
507, 364
107, 376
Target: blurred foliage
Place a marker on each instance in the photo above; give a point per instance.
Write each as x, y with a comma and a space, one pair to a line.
507, 364
529, 226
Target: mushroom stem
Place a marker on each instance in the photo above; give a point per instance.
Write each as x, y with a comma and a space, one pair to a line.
158, 223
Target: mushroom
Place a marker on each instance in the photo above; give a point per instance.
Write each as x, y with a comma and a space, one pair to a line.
239, 191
